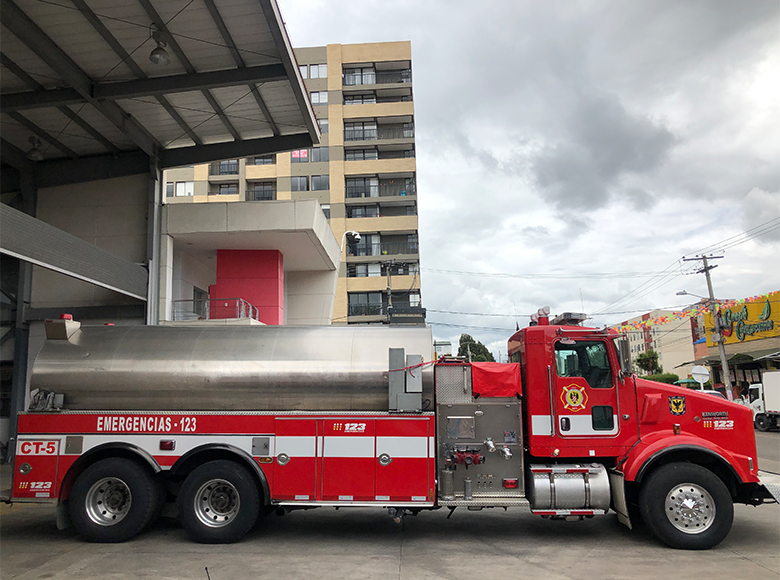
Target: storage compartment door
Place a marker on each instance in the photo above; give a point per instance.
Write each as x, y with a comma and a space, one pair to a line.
295, 470
348, 460
403, 461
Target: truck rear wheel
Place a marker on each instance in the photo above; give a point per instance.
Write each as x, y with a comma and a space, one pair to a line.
762, 422
112, 500
219, 503
686, 506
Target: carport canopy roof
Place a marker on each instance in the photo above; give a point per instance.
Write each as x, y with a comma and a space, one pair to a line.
77, 77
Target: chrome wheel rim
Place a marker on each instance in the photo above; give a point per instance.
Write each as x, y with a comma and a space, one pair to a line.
217, 503
108, 501
690, 508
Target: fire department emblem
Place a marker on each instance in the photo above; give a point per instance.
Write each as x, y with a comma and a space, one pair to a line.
574, 398
677, 405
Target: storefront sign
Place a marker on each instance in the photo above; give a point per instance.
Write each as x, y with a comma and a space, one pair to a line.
747, 321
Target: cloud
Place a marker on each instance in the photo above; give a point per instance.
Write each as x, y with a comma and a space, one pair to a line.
761, 207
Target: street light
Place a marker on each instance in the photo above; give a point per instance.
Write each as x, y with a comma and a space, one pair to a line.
724, 363
352, 233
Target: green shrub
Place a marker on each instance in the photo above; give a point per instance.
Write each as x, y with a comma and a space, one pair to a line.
669, 378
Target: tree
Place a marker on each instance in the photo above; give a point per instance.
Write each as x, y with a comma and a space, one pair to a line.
479, 352
648, 362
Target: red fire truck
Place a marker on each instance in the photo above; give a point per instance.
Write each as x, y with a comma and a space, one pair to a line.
234, 422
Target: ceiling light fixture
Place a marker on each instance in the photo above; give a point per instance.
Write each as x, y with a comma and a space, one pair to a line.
36, 153
159, 55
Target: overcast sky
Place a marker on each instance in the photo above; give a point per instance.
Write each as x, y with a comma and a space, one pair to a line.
569, 152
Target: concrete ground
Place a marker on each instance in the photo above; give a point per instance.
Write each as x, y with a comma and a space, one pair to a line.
366, 544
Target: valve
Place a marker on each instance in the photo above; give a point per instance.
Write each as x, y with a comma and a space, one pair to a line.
491, 447
506, 453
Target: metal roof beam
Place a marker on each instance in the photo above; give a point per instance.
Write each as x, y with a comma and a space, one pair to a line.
48, 51
232, 150
239, 60
177, 50
25, 122
15, 157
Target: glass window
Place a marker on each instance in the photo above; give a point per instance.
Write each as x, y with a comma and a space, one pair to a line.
360, 99
602, 418
228, 189
304, 70
319, 154
326, 211
359, 76
169, 189
319, 98
300, 183
229, 167
266, 160
323, 123
587, 359
414, 300
300, 156
360, 154
318, 71
362, 187
361, 211
320, 182
360, 131
184, 188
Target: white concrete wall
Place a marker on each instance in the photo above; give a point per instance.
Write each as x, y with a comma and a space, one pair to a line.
109, 213
310, 297
190, 272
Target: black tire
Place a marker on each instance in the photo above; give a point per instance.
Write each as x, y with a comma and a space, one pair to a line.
219, 503
112, 500
762, 422
686, 506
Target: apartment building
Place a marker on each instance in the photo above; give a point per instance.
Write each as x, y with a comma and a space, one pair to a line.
362, 174
670, 337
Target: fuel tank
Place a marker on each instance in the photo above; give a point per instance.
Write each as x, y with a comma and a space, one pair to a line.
253, 368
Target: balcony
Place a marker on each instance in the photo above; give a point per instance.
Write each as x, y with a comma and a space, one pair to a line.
383, 249
224, 168
382, 190
352, 79
366, 310
214, 309
378, 133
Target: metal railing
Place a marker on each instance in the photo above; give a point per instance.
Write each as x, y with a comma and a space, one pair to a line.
383, 249
366, 310
383, 190
263, 195
378, 78
224, 168
214, 309
372, 134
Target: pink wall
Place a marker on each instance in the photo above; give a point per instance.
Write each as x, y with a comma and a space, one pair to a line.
257, 276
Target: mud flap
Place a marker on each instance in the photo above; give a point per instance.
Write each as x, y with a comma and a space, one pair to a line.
618, 491
770, 482
63, 519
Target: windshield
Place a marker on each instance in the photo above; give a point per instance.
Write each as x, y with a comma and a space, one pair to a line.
753, 394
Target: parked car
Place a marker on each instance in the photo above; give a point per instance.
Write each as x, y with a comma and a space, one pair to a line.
716, 393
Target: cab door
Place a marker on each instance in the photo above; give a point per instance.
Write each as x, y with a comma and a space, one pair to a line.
585, 391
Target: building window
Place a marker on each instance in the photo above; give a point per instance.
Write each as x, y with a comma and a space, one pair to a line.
319, 154
318, 71
362, 187
326, 211
266, 160
363, 211
229, 167
169, 189
304, 70
228, 189
365, 303
320, 182
300, 183
411, 241
360, 154
300, 156
264, 191
359, 76
184, 188
360, 131
319, 98
360, 99
364, 270
414, 300
323, 123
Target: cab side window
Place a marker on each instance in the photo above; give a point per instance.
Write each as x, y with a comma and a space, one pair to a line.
586, 359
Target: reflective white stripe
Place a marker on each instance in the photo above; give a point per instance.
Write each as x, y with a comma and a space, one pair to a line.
184, 443
541, 425
348, 447
583, 425
397, 447
432, 447
295, 446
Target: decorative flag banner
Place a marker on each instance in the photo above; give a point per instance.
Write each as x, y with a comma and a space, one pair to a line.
695, 311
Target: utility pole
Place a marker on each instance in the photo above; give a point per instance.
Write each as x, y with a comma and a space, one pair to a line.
724, 363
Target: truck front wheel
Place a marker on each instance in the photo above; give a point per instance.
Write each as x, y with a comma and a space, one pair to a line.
219, 502
686, 506
112, 500
762, 422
